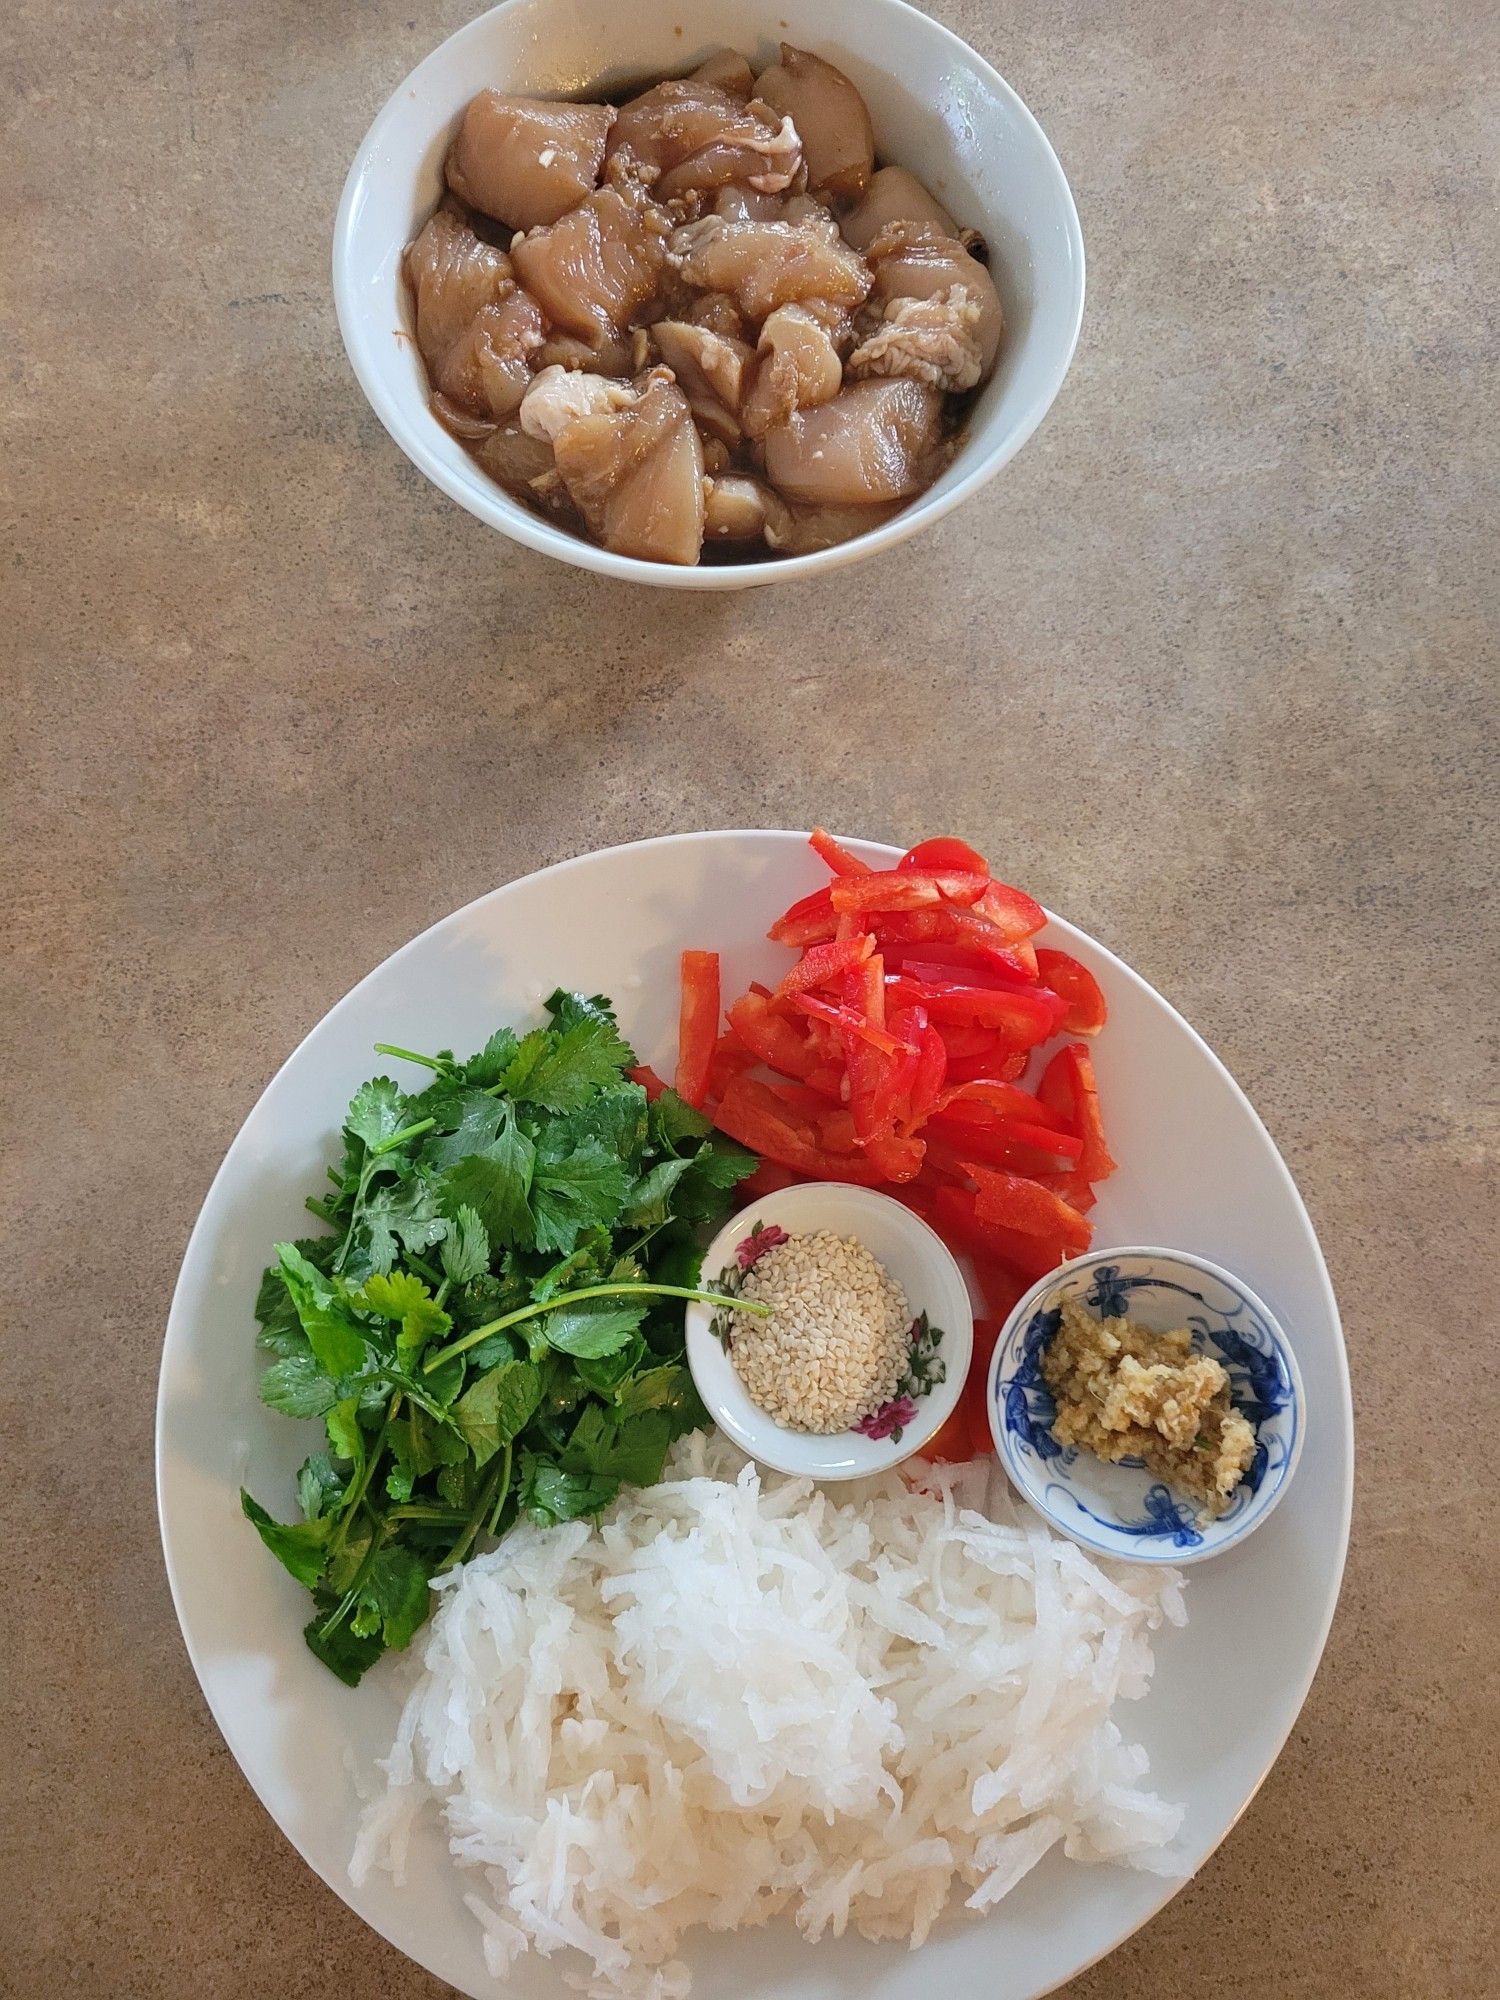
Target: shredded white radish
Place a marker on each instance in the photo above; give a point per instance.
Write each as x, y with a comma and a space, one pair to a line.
742, 1696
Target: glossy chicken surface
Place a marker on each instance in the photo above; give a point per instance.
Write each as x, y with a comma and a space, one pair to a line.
702, 324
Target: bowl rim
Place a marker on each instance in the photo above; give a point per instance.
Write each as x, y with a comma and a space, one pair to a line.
1266, 1502
749, 1434
534, 533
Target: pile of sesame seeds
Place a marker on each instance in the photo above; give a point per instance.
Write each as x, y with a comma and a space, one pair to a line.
837, 1342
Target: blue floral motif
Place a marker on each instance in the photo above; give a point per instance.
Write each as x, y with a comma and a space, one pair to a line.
1030, 1408
1164, 1516
1109, 1295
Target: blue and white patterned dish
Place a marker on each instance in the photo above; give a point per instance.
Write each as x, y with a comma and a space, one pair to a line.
1122, 1510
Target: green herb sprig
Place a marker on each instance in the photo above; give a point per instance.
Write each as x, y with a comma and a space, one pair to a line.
492, 1328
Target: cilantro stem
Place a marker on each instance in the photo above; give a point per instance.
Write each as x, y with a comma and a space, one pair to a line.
504, 1489
421, 1267
473, 1339
400, 1138
357, 1491
410, 1055
493, 1496
347, 1601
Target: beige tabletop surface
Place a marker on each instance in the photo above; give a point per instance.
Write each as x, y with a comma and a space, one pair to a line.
1211, 668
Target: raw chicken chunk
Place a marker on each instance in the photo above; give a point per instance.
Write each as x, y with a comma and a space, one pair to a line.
830, 115
488, 368
764, 265
727, 70
712, 371
870, 443
524, 160
690, 137
593, 269
913, 260
934, 340
452, 276
632, 462
797, 367
894, 195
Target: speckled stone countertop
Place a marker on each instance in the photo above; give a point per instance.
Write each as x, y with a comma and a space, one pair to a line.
1212, 666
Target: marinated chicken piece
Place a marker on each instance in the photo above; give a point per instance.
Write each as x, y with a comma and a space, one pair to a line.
797, 367
566, 350
525, 467
524, 160
560, 396
719, 313
487, 369
894, 195
593, 269
630, 458
934, 340
738, 509
689, 137
912, 260
727, 70
712, 370
872, 442
453, 276
830, 115
803, 531
764, 265
743, 204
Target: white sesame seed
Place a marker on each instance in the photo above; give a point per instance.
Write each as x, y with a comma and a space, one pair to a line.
836, 1344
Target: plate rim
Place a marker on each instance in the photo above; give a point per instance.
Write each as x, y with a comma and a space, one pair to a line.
1170, 1885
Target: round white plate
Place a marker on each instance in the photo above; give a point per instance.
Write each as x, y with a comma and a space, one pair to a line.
1198, 1170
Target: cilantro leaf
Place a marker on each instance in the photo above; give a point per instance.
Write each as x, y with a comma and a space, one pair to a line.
298, 1387
476, 1117
405, 1213
345, 1438
648, 1200
605, 1373
320, 1486
593, 1327
342, 1651
377, 1112
498, 1407
669, 1389
633, 1449
548, 1493
402, 1297
673, 1119
560, 1068
466, 1248
334, 1334
492, 1061
702, 1194
393, 1596
495, 1184
300, 1546
575, 1191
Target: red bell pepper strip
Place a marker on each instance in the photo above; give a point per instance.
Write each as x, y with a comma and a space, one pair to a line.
1013, 913
822, 964
986, 1099
1024, 1149
650, 1082
751, 1112
869, 1070
1068, 1088
976, 972
1078, 989
975, 1399
1013, 1201
772, 1038
850, 1023
839, 859
944, 853
931, 1075
911, 889
697, 1024
1021, 1017
955, 1217
1001, 1067
1073, 1188
806, 922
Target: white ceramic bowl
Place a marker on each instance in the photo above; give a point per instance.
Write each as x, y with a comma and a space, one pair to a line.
919, 1261
938, 108
1123, 1510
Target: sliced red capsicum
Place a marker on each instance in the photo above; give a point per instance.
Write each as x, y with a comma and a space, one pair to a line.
906, 889
1014, 1201
1068, 1088
822, 964
751, 1112
773, 1039
944, 854
1078, 989
697, 1024
806, 922
838, 857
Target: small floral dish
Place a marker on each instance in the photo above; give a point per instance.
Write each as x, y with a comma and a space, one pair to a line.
1124, 1510
941, 1334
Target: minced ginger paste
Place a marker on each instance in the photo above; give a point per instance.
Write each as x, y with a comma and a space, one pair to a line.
1123, 1391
